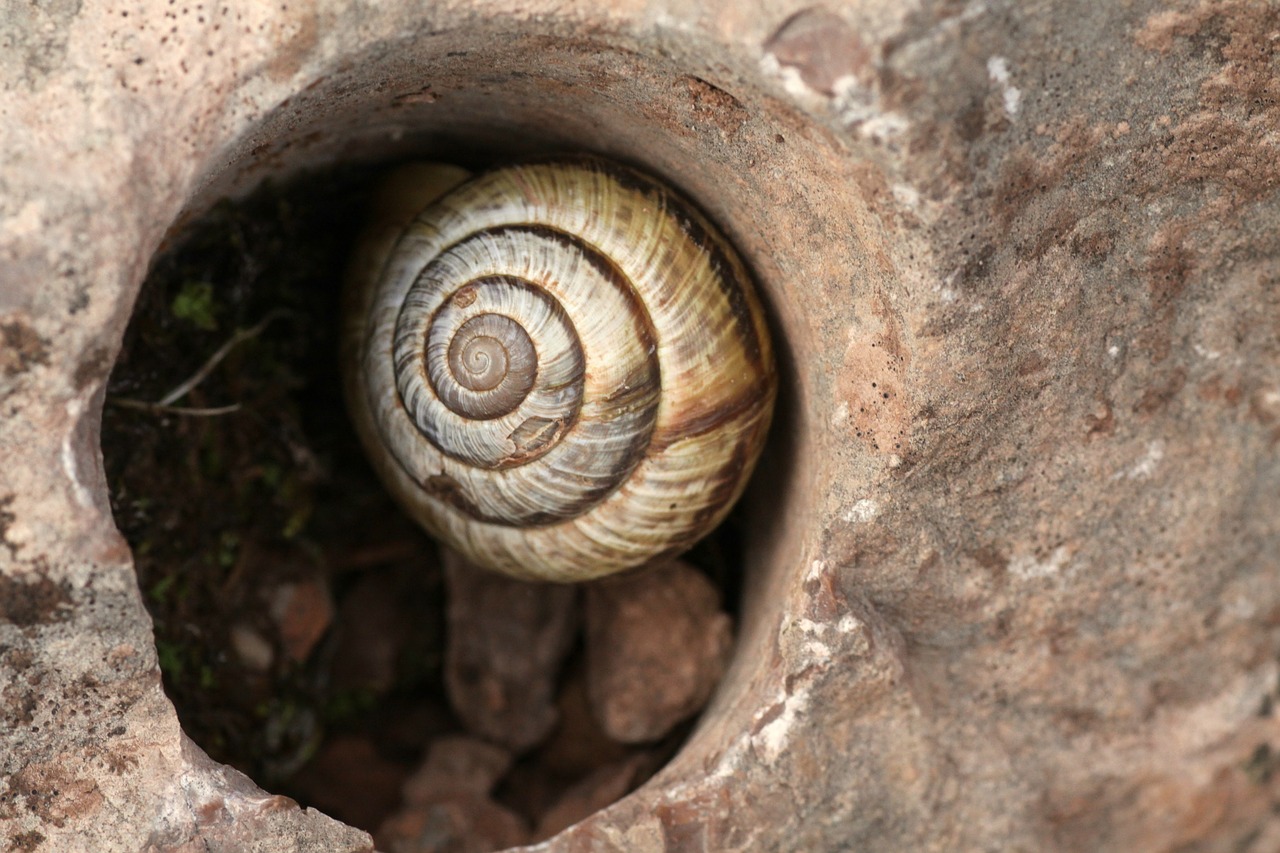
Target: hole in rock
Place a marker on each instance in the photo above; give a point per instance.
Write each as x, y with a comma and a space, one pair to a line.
309, 634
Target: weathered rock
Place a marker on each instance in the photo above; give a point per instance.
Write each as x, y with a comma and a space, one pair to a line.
371, 629
597, 790
302, 612
576, 748
457, 765
657, 644
578, 745
447, 805
1012, 563
461, 823
506, 646
253, 649
349, 779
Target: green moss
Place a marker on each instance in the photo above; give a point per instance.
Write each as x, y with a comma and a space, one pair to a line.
171, 658
346, 707
194, 304
159, 590
221, 509
228, 548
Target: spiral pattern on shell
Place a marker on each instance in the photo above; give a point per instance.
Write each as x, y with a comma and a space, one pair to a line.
559, 368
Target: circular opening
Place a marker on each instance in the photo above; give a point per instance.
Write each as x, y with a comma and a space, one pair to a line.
301, 620
313, 637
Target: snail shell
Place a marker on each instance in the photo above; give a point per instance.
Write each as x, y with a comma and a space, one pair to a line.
559, 368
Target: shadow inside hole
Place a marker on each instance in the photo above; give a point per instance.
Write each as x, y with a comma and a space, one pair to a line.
300, 618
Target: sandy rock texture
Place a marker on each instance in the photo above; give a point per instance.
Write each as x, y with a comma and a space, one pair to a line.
656, 646
508, 640
1014, 575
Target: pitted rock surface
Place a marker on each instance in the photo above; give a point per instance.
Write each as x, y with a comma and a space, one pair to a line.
1014, 560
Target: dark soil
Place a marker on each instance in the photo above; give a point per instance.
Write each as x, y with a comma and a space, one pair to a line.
220, 509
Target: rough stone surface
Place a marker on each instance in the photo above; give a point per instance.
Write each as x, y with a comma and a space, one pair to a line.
372, 786
447, 804
374, 622
302, 613
595, 791
657, 643
578, 745
459, 823
1014, 558
507, 642
457, 765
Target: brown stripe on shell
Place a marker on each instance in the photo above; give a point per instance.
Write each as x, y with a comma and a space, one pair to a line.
618, 398
758, 395
729, 481
454, 494
693, 423
465, 295
532, 436
597, 259
450, 492
602, 264
717, 501
731, 277
648, 336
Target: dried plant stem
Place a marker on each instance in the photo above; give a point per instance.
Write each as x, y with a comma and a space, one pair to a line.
143, 405
165, 404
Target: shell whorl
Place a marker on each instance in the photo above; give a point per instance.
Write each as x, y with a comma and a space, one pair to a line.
559, 368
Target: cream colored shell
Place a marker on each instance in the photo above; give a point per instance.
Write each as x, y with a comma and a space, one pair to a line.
559, 368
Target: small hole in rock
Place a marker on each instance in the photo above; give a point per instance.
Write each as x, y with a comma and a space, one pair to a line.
308, 633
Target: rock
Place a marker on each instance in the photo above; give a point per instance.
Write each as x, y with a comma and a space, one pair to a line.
253, 649
1011, 577
578, 745
462, 823
822, 47
657, 643
349, 779
597, 790
457, 765
302, 612
507, 643
370, 631
576, 748
447, 804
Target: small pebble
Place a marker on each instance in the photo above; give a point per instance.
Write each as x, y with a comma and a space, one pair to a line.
462, 823
507, 642
657, 643
253, 649
302, 612
370, 630
457, 764
593, 793
447, 805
